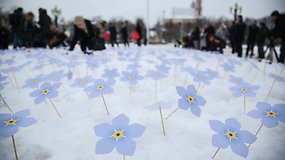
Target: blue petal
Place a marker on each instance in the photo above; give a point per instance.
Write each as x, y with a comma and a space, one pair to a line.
280, 108
35, 93
104, 130
232, 123
263, 106
26, 122
52, 94
135, 130
247, 137
8, 131
126, 146
250, 94
183, 104
219, 140
196, 110
201, 100
240, 149
181, 91
55, 86
120, 122
217, 126
270, 122
105, 145
5, 116
238, 93
254, 114
108, 90
39, 99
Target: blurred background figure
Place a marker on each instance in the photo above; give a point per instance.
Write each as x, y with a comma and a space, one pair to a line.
113, 36
45, 24
100, 41
239, 35
196, 37
15, 20
27, 30
260, 39
139, 31
279, 32
4, 36
251, 38
84, 33
124, 32
231, 35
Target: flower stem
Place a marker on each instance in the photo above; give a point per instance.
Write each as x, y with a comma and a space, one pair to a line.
256, 133
269, 93
55, 109
10, 79
14, 145
105, 104
131, 89
185, 79
198, 87
244, 108
162, 121
217, 68
87, 95
156, 89
171, 113
18, 89
6, 104
197, 66
124, 157
216, 153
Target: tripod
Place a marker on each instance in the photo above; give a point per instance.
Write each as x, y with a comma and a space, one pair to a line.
271, 49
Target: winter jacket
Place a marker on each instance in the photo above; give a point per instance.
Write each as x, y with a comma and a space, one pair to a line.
253, 31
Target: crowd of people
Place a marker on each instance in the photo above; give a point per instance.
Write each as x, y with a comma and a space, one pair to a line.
234, 35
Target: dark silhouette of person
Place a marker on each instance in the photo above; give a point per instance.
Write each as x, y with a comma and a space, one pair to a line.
239, 35
139, 30
124, 32
45, 24
260, 39
279, 31
28, 30
113, 36
251, 38
231, 35
15, 20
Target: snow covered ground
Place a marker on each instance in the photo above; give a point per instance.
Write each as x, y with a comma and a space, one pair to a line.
187, 136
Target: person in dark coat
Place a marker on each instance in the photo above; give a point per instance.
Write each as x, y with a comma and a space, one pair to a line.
260, 39
4, 36
124, 32
231, 35
139, 30
113, 36
209, 30
253, 31
196, 37
45, 24
15, 20
28, 30
279, 31
239, 35
84, 33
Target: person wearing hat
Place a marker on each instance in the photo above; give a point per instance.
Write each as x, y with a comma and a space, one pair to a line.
279, 31
84, 33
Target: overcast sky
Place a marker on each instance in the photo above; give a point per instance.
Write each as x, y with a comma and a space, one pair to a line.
131, 9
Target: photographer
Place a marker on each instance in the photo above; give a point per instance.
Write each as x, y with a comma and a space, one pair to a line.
279, 31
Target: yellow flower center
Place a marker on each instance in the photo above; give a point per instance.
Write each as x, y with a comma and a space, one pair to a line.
244, 89
110, 74
188, 69
133, 66
118, 134
190, 99
212, 74
155, 74
201, 77
83, 81
34, 81
231, 135
45, 91
162, 68
12, 69
52, 76
131, 76
100, 87
10, 122
271, 113
228, 67
238, 81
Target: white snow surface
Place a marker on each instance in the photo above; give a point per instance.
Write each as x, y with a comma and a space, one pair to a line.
188, 137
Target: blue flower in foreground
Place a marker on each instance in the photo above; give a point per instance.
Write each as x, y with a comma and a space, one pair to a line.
134, 66
46, 90
110, 73
2, 78
201, 76
2, 85
190, 99
33, 82
212, 74
276, 77
236, 80
163, 68
270, 116
229, 134
9, 124
118, 135
54, 76
82, 82
244, 89
100, 86
156, 75
132, 77
228, 67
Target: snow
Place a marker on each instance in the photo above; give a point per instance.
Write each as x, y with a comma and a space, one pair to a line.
187, 136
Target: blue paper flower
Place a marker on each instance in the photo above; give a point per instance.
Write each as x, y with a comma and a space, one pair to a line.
2, 78
33, 82
110, 73
244, 89
132, 77
212, 74
229, 134
190, 99
100, 86
270, 116
156, 75
188, 69
82, 82
163, 68
228, 67
118, 135
134, 66
12, 69
9, 124
276, 77
46, 90
201, 76
54, 76
236, 80
91, 63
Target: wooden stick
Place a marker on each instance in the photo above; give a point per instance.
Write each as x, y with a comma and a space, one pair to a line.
130, 89
87, 95
124, 157
175, 69
217, 68
244, 105
256, 133
197, 66
55, 109
224, 76
14, 145
18, 89
198, 87
156, 89
7, 105
270, 90
171, 113
228, 101
185, 79
216, 153
10, 79
105, 104
162, 121
264, 70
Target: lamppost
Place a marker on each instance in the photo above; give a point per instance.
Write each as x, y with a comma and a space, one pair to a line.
56, 12
234, 10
